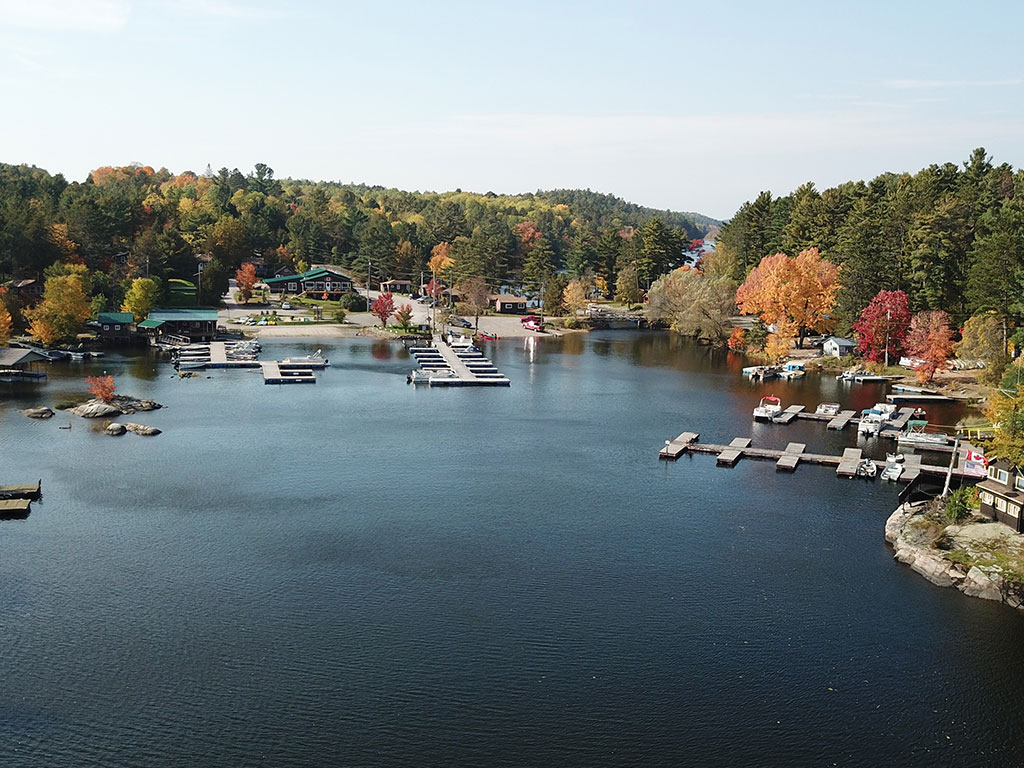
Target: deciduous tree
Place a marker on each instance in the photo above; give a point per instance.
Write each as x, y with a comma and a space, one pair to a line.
930, 340
383, 308
403, 315
883, 326
800, 291
982, 340
140, 298
62, 312
100, 387
245, 279
692, 303
574, 297
477, 294
1006, 411
5, 325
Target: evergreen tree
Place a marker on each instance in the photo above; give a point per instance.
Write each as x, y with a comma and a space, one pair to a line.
539, 265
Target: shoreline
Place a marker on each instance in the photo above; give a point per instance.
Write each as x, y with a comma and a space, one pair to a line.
974, 556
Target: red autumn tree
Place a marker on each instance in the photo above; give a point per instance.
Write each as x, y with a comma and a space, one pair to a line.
883, 326
528, 233
101, 387
930, 340
403, 315
245, 278
383, 307
737, 339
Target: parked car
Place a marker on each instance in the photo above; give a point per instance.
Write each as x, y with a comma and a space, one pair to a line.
461, 322
286, 305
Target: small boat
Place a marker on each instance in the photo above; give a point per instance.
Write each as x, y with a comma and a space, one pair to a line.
915, 435
769, 408
828, 409
67, 427
486, 336
894, 458
762, 372
317, 360
792, 371
866, 468
886, 409
418, 377
76, 357
870, 422
892, 472
849, 375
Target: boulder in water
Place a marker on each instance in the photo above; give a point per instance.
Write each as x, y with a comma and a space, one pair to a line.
114, 429
39, 412
141, 429
95, 409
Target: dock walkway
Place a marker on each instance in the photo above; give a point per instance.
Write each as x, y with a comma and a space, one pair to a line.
274, 374
457, 366
32, 491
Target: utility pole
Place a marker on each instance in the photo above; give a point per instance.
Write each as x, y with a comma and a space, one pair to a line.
369, 272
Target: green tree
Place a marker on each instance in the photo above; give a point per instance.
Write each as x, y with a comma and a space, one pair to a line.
539, 265
627, 288
140, 298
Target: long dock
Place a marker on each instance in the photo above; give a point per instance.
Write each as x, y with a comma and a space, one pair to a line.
14, 509
273, 373
796, 453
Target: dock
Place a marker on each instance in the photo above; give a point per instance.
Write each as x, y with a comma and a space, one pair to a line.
445, 364
796, 453
912, 397
840, 420
788, 415
33, 491
273, 373
15, 509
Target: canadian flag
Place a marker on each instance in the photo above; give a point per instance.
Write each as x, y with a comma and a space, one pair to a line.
976, 456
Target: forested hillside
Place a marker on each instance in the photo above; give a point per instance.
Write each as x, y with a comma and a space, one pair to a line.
951, 237
129, 222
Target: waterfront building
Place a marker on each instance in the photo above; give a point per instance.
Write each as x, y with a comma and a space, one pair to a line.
838, 347
115, 326
508, 304
313, 283
185, 324
1002, 493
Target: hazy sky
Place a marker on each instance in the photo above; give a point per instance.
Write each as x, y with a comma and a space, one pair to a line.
690, 106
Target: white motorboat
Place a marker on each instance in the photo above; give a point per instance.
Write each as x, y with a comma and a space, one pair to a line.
866, 468
316, 360
894, 458
768, 409
915, 435
849, 375
828, 409
870, 422
886, 409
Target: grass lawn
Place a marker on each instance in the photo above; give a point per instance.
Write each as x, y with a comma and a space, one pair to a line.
180, 294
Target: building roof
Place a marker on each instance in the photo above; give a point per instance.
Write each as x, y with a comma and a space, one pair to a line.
841, 341
115, 317
11, 356
397, 282
506, 298
151, 323
180, 315
312, 274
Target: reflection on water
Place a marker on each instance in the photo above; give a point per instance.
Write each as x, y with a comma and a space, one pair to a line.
362, 572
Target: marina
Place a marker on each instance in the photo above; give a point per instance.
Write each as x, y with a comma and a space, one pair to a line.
454, 363
849, 464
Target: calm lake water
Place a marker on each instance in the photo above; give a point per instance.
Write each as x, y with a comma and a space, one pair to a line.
360, 573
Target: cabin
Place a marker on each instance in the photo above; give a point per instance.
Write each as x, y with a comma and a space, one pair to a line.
508, 304
396, 286
1002, 493
838, 347
192, 325
20, 364
115, 326
28, 291
313, 283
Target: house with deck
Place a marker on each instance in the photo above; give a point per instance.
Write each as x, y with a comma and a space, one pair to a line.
190, 325
313, 283
1002, 493
115, 326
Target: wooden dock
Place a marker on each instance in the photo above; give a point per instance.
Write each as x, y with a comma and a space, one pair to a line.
274, 374
840, 420
796, 453
788, 415
457, 366
14, 509
33, 491
911, 397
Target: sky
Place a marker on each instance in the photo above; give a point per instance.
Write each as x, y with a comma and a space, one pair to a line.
680, 105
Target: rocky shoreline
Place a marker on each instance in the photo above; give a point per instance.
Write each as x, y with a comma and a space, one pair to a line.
979, 558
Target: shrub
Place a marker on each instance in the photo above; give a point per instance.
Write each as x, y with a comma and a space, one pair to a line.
102, 387
339, 315
961, 503
353, 302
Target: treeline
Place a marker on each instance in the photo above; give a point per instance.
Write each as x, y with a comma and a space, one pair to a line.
951, 237
128, 222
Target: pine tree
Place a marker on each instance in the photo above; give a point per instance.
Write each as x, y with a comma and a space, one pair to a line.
539, 265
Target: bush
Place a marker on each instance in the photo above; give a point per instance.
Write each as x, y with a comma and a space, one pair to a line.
961, 503
339, 316
353, 302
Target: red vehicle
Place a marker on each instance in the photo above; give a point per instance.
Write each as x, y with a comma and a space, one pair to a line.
533, 323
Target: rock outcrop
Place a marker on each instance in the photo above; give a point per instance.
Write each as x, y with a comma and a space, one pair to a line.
114, 429
39, 412
132, 404
913, 538
141, 429
95, 409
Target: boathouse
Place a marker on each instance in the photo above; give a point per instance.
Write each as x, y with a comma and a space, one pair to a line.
509, 304
313, 283
836, 346
181, 324
115, 326
20, 364
1002, 493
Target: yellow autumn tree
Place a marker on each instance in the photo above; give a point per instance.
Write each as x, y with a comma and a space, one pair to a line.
799, 291
779, 343
62, 312
6, 323
575, 297
139, 298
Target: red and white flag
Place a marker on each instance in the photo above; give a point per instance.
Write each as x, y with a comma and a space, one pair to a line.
976, 456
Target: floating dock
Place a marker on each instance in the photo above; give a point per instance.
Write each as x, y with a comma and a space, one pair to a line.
14, 509
275, 373
456, 365
33, 491
796, 453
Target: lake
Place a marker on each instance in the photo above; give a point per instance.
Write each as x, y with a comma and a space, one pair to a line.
363, 573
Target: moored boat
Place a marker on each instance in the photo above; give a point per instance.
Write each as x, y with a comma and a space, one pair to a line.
828, 409
892, 472
866, 468
916, 435
870, 422
769, 407
316, 360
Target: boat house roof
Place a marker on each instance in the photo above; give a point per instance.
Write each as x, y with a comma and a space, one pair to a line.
183, 315
10, 357
115, 317
312, 274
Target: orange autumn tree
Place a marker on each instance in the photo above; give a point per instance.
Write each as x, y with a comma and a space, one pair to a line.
101, 387
245, 279
930, 340
6, 323
800, 292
